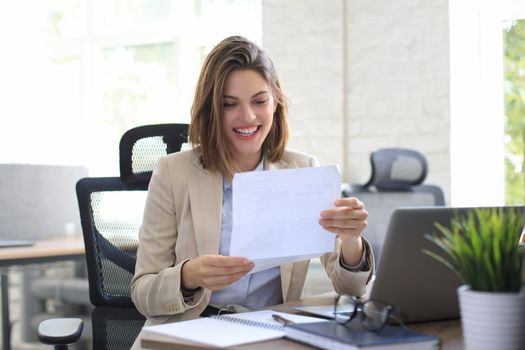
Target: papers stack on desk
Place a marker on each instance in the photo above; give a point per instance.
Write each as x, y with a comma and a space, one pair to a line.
220, 331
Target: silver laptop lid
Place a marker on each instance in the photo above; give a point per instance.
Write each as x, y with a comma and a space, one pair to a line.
12, 243
421, 287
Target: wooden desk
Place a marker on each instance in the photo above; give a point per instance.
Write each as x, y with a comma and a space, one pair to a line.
45, 251
448, 331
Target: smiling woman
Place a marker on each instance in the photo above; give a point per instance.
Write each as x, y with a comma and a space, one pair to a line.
245, 100
238, 123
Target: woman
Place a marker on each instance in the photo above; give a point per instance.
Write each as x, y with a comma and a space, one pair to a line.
239, 123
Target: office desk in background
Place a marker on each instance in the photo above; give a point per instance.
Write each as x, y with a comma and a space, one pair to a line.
449, 332
43, 251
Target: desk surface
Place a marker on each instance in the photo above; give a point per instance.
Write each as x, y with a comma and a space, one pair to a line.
43, 251
448, 331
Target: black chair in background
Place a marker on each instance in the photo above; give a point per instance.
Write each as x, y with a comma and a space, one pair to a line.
141, 148
111, 211
396, 181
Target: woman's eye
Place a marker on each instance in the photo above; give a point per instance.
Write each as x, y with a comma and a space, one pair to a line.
261, 102
228, 104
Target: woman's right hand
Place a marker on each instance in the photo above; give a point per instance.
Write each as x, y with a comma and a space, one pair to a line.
214, 271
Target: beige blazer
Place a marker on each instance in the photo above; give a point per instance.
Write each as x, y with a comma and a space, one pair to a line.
182, 220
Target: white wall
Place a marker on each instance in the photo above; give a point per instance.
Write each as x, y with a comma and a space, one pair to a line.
304, 38
363, 75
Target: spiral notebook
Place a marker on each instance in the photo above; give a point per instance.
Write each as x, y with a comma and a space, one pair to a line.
228, 330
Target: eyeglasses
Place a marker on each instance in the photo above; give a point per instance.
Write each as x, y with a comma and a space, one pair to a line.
374, 315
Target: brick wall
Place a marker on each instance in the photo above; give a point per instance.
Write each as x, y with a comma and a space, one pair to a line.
363, 75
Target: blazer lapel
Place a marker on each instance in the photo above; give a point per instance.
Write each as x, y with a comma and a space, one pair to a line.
205, 191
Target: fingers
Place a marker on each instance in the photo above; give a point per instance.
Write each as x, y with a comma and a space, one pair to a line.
209, 270
215, 271
346, 208
344, 213
225, 261
225, 265
344, 224
218, 282
347, 218
351, 202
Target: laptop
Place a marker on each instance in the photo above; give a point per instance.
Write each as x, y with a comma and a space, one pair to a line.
422, 288
11, 243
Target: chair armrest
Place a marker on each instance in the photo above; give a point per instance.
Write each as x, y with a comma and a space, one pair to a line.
60, 330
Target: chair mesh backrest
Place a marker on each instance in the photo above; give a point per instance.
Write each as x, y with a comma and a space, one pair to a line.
141, 147
116, 217
111, 214
115, 328
111, 210
145, 154
121, 334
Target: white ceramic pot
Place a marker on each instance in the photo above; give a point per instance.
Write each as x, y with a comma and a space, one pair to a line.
492, 320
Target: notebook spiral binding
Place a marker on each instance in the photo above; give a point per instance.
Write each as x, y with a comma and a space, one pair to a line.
249, 322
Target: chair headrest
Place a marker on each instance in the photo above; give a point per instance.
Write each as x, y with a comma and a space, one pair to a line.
141, 148
397, 169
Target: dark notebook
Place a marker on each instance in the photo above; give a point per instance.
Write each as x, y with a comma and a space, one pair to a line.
330, 335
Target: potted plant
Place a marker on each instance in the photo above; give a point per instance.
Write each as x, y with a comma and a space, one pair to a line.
482, 249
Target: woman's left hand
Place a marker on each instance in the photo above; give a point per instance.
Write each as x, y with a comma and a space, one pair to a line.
347, 219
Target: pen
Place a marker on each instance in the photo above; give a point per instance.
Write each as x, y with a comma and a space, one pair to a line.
282, 320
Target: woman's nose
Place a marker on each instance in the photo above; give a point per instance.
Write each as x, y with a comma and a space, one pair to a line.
247, 113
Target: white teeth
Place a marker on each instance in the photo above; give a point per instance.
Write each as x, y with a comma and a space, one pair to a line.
246, 132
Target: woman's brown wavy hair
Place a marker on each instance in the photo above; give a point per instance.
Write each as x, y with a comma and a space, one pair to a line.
205, 131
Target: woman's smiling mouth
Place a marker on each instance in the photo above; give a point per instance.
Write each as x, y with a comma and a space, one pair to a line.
247, 131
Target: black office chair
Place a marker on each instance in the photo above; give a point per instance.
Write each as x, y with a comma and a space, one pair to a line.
111, 214
397, 176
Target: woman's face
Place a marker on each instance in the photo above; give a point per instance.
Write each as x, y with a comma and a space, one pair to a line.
247, 115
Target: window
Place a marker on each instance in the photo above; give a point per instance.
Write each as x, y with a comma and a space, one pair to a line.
82, 72
485, 155
514, 88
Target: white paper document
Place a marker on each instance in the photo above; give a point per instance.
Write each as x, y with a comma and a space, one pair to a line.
276, 214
